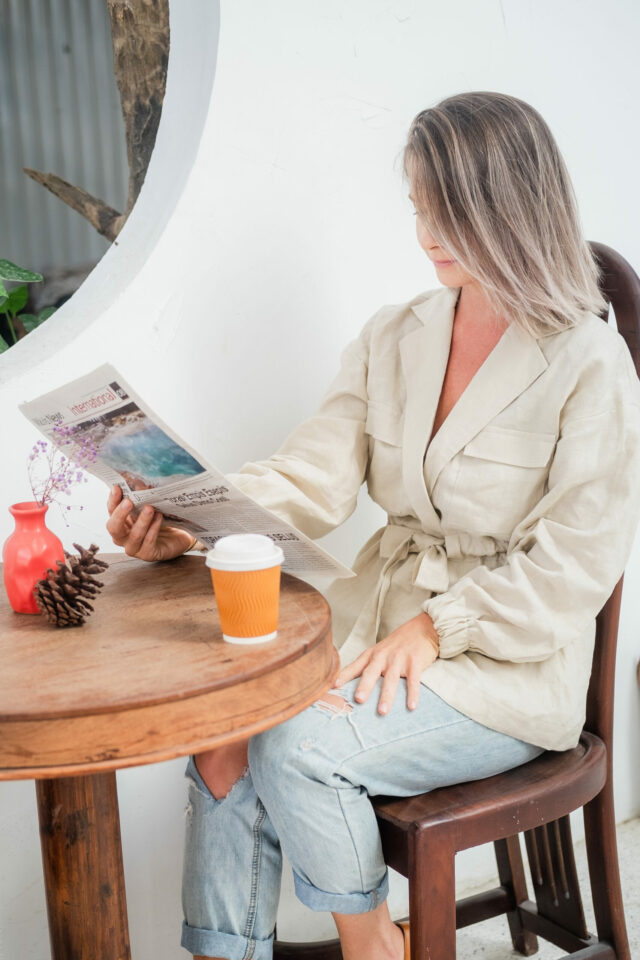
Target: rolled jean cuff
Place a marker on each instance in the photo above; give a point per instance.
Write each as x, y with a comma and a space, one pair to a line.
341, 902
211, 943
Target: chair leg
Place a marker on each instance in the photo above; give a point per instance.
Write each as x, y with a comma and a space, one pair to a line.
512, 876
604, 871
432, 895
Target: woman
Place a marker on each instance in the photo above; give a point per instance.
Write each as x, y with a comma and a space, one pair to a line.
496, 420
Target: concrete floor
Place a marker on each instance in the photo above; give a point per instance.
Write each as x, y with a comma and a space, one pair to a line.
490, 940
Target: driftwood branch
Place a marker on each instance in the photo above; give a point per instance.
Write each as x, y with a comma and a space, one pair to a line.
100, 215
140, 38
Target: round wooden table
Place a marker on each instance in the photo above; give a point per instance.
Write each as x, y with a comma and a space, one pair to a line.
147, 678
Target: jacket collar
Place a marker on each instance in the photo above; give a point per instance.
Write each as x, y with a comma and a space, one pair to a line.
514, 363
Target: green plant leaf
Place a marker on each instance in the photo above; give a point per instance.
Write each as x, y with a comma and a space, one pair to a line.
15, 301
3, 289
3, 345
29, 321
10, 271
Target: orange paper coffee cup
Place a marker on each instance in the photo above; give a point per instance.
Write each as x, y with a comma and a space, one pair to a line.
245, 571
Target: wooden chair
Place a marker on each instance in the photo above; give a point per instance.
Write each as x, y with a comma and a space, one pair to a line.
421, 835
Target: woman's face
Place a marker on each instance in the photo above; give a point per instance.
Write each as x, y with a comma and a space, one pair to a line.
450, 273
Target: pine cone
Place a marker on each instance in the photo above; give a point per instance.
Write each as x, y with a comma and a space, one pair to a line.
61, 594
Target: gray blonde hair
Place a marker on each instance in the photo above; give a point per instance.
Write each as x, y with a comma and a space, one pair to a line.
490, 183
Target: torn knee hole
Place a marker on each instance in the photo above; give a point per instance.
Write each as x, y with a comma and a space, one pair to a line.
332, 703
222, 786
218, 778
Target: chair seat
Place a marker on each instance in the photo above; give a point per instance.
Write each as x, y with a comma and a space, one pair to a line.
545, 789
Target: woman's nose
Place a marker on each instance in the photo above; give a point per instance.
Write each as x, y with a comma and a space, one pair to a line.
428, 241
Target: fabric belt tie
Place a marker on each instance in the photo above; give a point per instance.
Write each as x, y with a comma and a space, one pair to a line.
430, 571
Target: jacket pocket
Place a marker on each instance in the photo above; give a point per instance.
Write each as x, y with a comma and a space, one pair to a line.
519, 448
384, 426
384, 423
501, 475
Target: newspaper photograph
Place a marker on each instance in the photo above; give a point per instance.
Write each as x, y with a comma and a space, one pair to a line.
144, 456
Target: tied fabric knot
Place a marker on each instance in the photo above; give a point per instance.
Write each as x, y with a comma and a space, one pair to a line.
430, 570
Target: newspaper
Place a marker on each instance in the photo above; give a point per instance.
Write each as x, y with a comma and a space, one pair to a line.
136, 450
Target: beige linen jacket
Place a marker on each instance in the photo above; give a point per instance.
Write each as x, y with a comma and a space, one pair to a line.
511, 532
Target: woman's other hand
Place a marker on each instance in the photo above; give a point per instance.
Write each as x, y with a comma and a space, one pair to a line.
143, 536
406, 652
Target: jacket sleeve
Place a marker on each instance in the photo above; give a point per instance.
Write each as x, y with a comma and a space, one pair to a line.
568, 553
313, 479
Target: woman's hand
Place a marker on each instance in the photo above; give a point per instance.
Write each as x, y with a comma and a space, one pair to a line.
143, 536
406, 652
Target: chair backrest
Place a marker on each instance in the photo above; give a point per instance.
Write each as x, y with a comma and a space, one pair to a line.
620, 286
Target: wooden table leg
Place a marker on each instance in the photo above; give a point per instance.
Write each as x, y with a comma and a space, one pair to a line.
83, 874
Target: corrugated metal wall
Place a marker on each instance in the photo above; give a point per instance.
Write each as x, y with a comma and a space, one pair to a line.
59, 113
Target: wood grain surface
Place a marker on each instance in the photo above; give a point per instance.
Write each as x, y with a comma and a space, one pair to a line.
83, 872
149, 677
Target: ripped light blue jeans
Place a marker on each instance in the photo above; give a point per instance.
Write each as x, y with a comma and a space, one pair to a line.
307, 792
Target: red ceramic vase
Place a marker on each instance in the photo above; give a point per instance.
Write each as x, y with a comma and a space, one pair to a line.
27, 555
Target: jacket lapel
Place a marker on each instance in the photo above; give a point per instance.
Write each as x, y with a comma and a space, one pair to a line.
424, 353
513, 364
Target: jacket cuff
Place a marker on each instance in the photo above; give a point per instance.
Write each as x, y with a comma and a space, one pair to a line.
452, 624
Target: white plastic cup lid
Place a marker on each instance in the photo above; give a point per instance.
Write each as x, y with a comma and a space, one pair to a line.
244, 551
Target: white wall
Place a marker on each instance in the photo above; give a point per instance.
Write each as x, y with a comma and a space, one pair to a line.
236, 284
